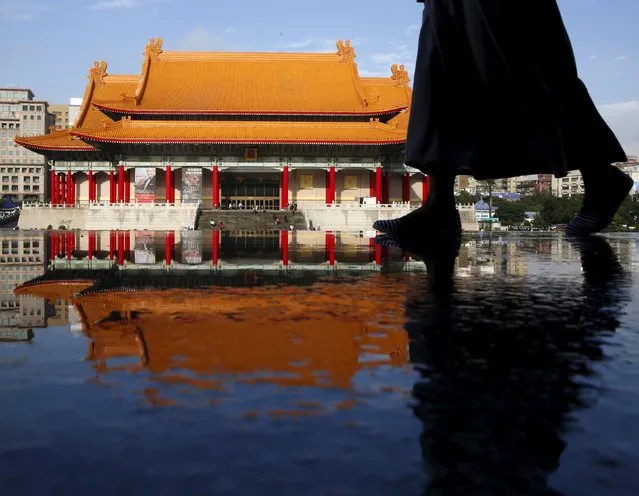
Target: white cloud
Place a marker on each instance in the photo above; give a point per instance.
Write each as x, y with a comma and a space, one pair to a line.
201, 39
621, 57
114, 4
401, 55
21, 10
123, 4
592, 57
230, 29
413, 28
623, 118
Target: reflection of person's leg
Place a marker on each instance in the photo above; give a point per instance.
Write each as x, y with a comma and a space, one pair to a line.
437, 216
606, 188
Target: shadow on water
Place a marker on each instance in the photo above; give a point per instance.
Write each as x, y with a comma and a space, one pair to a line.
504, 364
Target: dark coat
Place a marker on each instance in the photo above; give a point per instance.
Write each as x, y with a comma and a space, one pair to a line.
497, 94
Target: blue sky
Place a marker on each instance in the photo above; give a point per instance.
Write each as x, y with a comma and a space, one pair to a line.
49, 45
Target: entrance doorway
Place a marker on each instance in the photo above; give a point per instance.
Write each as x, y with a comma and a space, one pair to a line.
255, 189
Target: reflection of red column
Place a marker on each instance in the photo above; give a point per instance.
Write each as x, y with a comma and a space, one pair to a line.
91, 244
215, 255
52, 252
216, 186
112, 242
91, 180
127, 244
406, 188
378, 184
425, 188
284, 194
371, 184
378, 254
167, 184
284, 247
168, 246
120, 247
70, 242
127, 187
111, 186
330, 247
120, 183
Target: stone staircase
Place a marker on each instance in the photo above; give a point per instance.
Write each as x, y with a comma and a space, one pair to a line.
247, 220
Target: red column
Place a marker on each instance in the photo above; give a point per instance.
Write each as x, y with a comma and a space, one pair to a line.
111, 187
386, 188
425, 188
112, 241
215, 255
330, 185
168, 246
63, 189
330, 247
120, 184
173, 191
284, 188
406, 188
378, 184
216, 186
127, 187
91, 181
52, 195
167, 184
71, 189
68, 192
371, 183
284, 247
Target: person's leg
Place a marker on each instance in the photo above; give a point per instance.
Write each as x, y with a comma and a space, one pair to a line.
605, 190
438, 215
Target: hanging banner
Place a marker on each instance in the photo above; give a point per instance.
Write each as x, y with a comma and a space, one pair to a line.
191, 184
191, 247
144, 248
145, 184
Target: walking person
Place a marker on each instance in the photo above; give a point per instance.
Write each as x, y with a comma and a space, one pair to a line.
497, 94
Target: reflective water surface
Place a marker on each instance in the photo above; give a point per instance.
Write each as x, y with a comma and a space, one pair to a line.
316, 363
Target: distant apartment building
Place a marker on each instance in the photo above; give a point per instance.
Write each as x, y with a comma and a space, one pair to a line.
60, 114
74, 109
22, 172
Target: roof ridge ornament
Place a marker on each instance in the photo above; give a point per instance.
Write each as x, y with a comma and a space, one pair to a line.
345, 51
126, 121
400, 76
153, 48
98, 71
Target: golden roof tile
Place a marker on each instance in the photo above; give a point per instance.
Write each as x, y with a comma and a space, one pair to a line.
242, 132
216, 83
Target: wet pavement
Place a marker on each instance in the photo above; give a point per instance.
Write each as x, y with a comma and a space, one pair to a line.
317, 364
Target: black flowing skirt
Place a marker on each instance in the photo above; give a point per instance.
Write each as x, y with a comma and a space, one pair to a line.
497, 94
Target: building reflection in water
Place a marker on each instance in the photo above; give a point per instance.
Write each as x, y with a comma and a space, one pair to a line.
503, 365
22, 258
501, 360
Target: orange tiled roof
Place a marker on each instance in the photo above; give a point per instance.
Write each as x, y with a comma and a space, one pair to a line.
56, 141
253, 83
101, 88
338, 133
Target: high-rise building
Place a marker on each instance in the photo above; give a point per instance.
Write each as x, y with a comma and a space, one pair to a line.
61, 114
22, 171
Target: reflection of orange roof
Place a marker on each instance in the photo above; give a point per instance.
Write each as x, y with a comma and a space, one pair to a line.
357, 133
213, 83
290, 335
